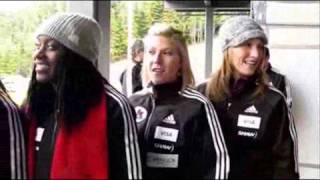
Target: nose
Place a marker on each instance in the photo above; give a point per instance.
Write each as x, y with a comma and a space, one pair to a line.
38, 53
255, 51
156, 58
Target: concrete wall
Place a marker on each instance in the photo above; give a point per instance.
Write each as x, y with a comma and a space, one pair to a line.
293, 28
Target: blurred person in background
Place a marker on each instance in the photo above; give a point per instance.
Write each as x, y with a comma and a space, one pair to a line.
130, 78
277, 79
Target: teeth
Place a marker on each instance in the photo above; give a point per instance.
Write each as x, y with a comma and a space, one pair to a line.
251, 62
41, 67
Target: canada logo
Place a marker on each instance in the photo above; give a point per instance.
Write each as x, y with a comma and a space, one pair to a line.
141, 113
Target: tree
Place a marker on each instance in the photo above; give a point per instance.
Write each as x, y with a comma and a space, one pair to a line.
16, 35
119, 34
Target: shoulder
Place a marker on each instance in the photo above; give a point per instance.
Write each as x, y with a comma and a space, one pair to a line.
195, 95
274, 95
5, 101
114, 97
141, 95
201, 87
275, 75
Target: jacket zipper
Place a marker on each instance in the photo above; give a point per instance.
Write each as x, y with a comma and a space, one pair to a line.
146, 133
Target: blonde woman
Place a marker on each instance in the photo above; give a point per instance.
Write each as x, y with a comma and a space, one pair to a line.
180, 136
255, 119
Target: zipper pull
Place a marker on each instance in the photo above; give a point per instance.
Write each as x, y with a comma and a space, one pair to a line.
229, 104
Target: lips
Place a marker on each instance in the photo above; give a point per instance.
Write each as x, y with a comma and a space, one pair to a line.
251, 62
157, 70
41, 67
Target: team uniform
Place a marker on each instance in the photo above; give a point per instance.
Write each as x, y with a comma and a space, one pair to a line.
179, 134
260, 134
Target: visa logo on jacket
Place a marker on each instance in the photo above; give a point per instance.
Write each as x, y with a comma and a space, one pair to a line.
167, 134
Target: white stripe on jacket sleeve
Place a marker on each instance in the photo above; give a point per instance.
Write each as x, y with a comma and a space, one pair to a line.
223, 160
292, 128
130, 134
17, 144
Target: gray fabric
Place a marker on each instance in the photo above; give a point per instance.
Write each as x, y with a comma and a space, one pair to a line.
78, 32
237, 30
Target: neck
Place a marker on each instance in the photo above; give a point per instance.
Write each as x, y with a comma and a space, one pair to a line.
167, 89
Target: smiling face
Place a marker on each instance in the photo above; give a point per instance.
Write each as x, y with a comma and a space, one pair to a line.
247, 57
163, 60
45, 57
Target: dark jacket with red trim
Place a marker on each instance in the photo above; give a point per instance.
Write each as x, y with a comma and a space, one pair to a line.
260, 134
179, 133
103, 146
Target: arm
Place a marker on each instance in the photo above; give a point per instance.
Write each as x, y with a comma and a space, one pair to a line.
214, 160
122, 134
12, 151
285, 147
288, 92
210, 154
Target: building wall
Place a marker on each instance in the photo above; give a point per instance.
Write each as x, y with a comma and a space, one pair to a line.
293, 28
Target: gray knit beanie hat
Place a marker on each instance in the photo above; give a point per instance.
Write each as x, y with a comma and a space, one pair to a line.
80, 33
237, 30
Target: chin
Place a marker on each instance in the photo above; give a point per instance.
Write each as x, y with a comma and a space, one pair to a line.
41, 79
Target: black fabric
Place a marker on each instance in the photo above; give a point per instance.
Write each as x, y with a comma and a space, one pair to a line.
46, 147
115, 124
277, 79
194, 145
263, 153
5, 169
11, 139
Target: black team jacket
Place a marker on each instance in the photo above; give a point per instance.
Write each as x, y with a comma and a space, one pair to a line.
179, 134
260, 134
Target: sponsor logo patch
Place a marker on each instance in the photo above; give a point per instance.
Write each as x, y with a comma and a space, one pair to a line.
164, 147
247, 134
167, 134
141, 113
169, 119
246, 121
251, 109
157, 160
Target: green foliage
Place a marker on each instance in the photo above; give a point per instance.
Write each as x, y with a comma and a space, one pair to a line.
16, 36
119, 33
16, 29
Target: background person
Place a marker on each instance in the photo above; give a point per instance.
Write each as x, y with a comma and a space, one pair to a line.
130, 78
256, 121
277, 79
80, 126
179, 132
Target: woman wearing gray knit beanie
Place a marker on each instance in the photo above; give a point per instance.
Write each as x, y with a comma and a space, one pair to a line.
79, 125
257, 124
